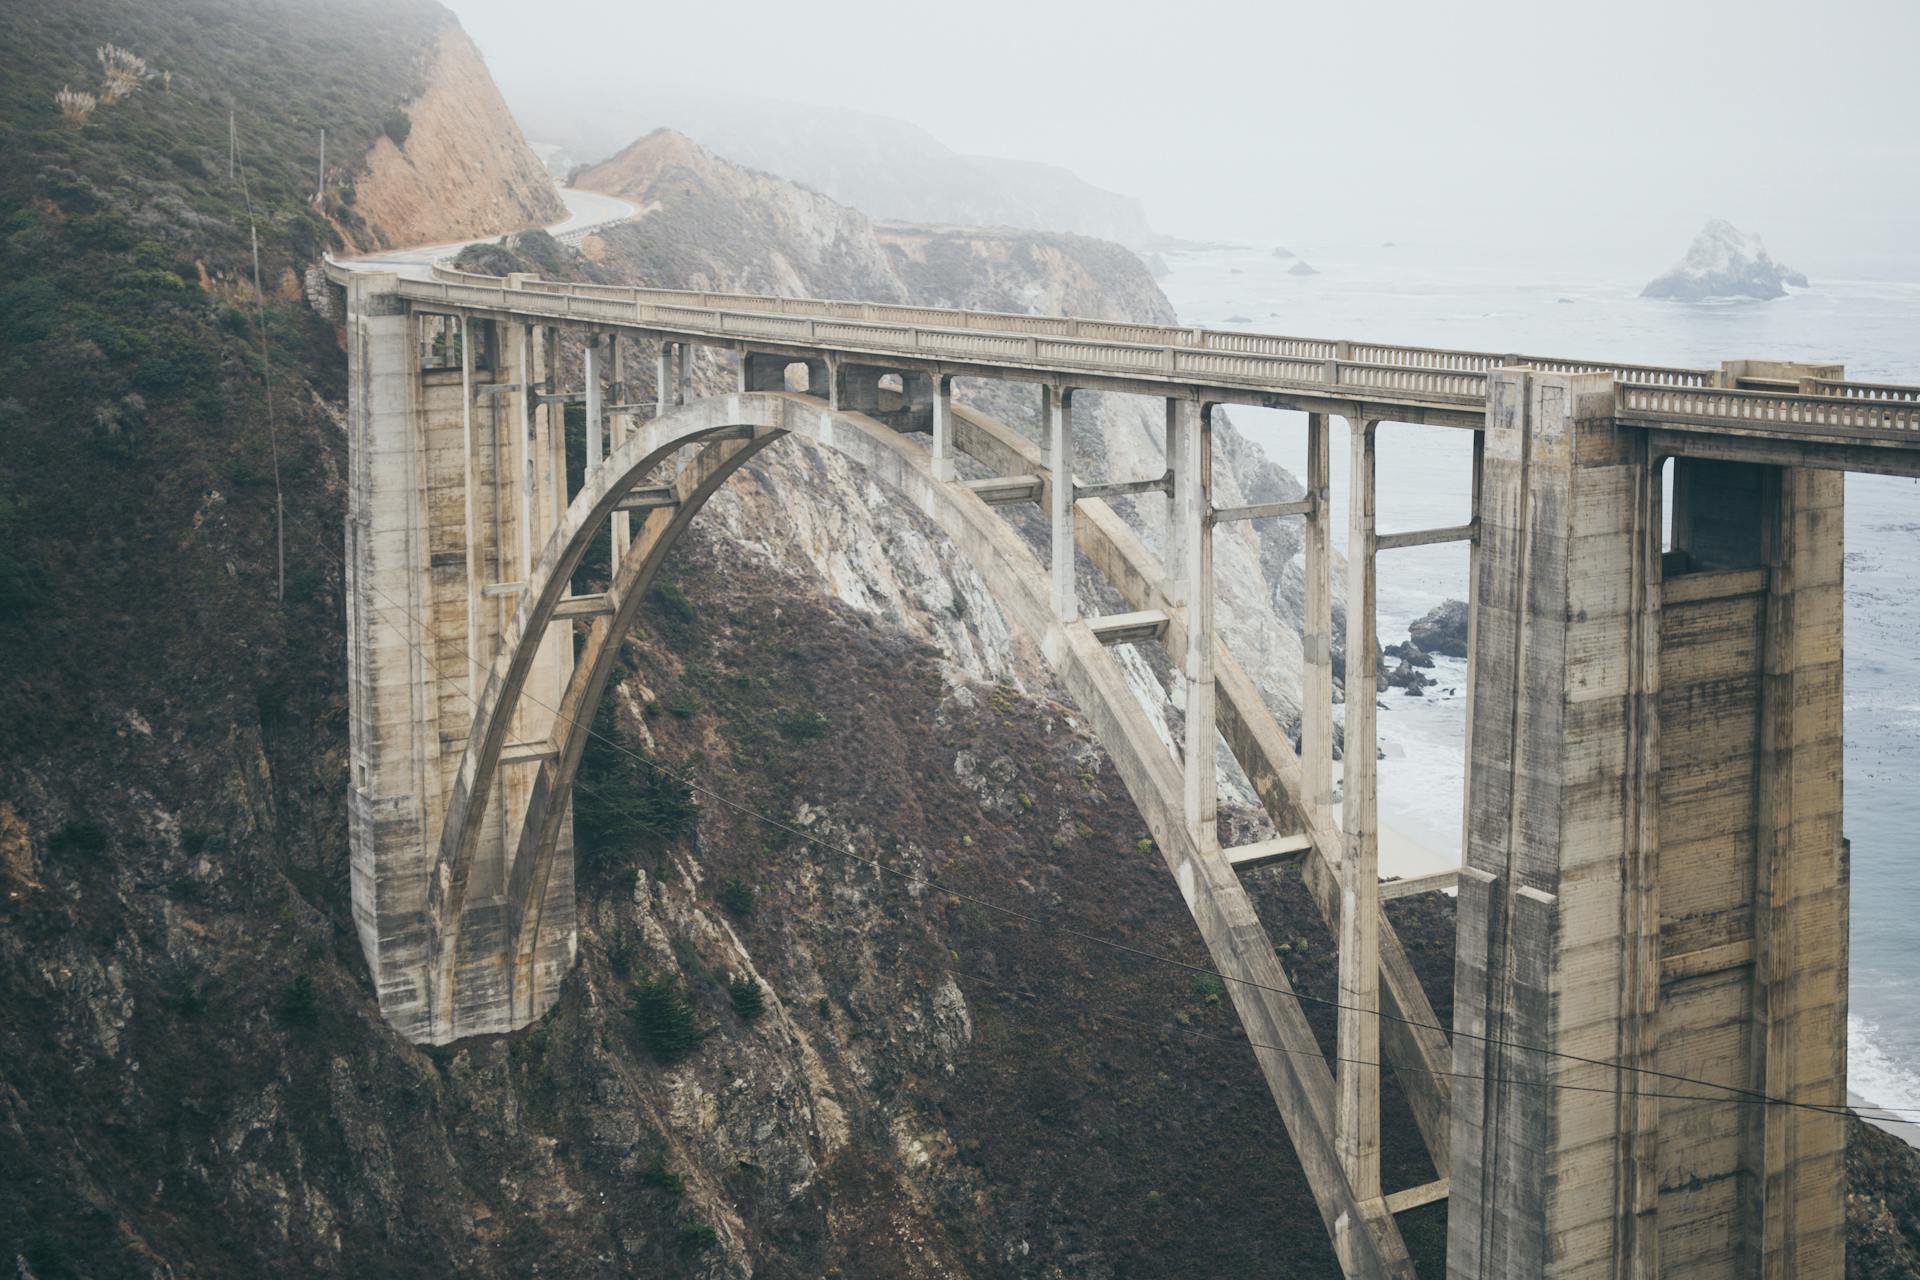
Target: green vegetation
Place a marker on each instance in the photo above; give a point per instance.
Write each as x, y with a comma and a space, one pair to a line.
663, 1018
735, 896
77, 840
661, 1178
533, 251
1208, 987
620, 950
696, 1236
749, 1001
398, 125
671, 603
624, 806
299, 1004
804, 724
48, 1256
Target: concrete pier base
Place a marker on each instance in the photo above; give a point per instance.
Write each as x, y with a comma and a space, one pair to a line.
1653, 879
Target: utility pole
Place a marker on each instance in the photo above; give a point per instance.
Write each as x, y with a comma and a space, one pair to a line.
273, 433
320, 191
230, 146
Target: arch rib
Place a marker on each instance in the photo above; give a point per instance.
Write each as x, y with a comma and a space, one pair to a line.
539, 838
1283, 1042
592, 507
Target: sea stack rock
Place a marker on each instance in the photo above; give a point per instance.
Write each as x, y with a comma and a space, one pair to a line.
1301, 269
1281, 251
1725, 262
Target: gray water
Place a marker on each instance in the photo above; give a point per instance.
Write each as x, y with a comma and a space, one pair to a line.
1450, 296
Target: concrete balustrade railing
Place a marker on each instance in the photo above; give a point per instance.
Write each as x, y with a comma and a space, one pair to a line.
1896, 419
1109, 331
1435, 377
1865, 390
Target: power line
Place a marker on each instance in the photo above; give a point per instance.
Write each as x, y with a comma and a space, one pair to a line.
1742, 1095
1364, 1062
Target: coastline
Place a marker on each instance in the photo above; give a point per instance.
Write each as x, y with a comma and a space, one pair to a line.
1403, 856
1907, 1131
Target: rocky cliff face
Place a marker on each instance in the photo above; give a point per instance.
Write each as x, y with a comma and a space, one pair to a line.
451, 163
886, 1057
709, 223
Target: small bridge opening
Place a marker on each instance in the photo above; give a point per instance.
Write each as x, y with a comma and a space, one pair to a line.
442, 340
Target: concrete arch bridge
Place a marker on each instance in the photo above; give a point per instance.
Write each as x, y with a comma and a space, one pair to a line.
1654, 878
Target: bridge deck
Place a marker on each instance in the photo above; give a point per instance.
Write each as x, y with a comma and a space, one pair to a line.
1877, 425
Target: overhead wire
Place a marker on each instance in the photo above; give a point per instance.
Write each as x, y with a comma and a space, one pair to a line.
1739, 1094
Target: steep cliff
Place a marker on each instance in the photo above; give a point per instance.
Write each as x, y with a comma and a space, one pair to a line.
885, 167
709, 223
451, 163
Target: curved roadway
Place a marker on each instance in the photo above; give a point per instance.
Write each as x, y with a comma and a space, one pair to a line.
585, 210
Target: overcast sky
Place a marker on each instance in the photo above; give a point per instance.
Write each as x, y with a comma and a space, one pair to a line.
1621, 124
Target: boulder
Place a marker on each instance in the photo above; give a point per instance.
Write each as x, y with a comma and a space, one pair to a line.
1411, 653
1443, 630
1725, 262
1403, 675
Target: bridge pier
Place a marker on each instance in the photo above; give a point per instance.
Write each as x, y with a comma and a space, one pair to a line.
1193, 497
452, 480
1654, 879
1357, 1120
670, 377
1057, 412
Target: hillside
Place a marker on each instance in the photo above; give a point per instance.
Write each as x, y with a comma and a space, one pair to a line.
710, 223
887, 168
776, 1058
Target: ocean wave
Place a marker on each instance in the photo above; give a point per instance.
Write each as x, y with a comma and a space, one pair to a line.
1875, 1074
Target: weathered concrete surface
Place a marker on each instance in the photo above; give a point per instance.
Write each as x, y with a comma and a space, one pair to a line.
1411, 1036
1653, 865
1284, 1046
435, 527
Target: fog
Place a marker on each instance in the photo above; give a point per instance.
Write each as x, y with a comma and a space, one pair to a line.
1611, 130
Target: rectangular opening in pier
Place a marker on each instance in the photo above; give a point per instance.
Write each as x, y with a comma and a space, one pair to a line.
441, 338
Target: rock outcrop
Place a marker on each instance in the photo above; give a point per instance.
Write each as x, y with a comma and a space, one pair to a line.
1442, 630
194, 1077
710, 223
1724, 262
452, 163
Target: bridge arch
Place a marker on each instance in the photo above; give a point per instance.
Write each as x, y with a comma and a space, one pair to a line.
730, 429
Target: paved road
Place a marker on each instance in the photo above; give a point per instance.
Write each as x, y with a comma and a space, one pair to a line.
584, 209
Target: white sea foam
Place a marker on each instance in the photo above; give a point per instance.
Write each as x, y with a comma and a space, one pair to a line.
1876, 1075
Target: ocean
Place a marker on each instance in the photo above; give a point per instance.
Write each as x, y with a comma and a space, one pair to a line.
1452, 295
